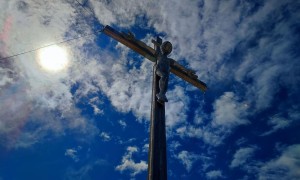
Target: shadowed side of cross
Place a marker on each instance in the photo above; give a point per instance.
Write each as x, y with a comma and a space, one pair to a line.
140, 47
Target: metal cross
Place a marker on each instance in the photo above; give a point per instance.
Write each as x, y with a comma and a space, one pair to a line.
157, 159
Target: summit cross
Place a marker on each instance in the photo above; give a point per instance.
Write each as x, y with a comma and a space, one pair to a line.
163, 65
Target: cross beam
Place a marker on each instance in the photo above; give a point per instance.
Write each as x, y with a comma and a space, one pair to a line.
149, 53
157, 158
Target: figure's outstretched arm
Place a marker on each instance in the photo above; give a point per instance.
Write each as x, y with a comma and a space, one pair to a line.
157, 45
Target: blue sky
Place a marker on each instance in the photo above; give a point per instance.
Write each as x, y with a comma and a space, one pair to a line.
90, 119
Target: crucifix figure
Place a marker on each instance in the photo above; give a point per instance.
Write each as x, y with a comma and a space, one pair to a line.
163, 65
163, 70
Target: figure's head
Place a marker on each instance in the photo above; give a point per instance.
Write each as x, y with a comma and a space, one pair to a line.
166, 48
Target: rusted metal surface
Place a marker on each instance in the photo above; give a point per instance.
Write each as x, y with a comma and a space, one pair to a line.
149, 53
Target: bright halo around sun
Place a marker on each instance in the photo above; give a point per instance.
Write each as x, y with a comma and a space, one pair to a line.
53, 58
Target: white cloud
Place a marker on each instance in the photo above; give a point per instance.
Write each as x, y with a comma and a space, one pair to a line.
190, 131
175, 20
127, 91
209, 135
72, 153
104, 14
146, 148
285, 166
177, 107
48, 23
122, 123
128, 163
105, 136
214, 174
270, 64
95, 102
242, 156
228, 111
127, 141
200, 116
33, 121
44, 102
294, 113
6, 77
188, 159
111, 13
83, 172
241, 141
277, 123
174, 145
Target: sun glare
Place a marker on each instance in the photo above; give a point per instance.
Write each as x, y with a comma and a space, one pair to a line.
53, 58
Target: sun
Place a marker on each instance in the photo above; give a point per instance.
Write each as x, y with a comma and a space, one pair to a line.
53, 58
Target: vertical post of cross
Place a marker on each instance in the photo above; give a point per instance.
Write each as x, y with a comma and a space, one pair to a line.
157, 159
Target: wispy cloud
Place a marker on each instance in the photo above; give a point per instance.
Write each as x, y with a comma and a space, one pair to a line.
146, 148
73, 153
229, 112
285, 166
242, 156
83, 171
122, 123
128, 163
95, 102
277, 123
214, 174
174, 145
188, 159
43, 100
105, 136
